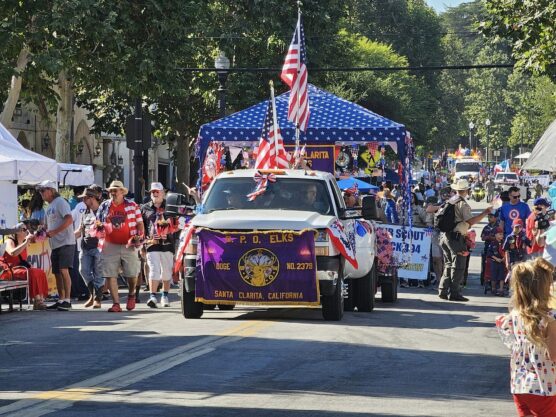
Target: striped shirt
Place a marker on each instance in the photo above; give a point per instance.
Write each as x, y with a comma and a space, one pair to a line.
132, 216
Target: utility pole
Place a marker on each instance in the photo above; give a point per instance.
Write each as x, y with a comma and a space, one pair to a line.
138, 138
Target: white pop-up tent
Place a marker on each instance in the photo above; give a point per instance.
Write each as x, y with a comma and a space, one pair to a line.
543, 156
19, 166
75, 174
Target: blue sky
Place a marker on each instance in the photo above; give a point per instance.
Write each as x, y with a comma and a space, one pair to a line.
440, 5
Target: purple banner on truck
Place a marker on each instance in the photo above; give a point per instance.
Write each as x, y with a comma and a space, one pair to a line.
271, 267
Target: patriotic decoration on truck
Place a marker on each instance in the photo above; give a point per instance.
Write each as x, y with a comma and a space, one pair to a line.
264, 267
342, 242
262, 183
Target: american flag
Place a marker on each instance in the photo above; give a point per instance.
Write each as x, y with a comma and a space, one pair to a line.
294, 74
271, 153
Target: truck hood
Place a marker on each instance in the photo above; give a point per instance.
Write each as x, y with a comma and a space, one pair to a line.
262, 220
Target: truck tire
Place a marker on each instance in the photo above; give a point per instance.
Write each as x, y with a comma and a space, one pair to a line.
365, 293
389, 290
333, 305
226, 307
349, 301
209, 306
190, 308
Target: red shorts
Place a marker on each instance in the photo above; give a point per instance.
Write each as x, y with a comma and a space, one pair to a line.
535, 405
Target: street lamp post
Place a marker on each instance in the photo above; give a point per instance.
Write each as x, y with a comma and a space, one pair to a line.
487, 123
521, 139
222, 65
471, 127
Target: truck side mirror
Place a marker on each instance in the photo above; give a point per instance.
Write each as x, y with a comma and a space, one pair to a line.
176, 205
369, 210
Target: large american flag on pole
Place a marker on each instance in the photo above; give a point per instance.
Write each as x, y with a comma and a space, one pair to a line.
294, 74
271, 153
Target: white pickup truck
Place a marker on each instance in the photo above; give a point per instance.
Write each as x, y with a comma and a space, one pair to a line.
282, 207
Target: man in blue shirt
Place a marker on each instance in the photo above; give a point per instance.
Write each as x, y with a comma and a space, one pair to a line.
517, 209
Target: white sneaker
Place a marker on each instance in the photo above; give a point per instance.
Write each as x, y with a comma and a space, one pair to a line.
152, 302
164, 301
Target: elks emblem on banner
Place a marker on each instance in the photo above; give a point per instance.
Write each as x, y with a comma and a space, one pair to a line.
258, 267
341, 242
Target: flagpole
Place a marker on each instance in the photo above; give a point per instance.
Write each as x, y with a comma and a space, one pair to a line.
297, 129
274, 119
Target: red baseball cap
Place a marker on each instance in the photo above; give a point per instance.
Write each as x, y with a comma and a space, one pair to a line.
517, 222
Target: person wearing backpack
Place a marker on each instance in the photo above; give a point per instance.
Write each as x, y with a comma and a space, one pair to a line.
453, 221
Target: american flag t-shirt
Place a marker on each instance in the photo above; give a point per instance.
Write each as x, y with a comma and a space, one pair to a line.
294, 74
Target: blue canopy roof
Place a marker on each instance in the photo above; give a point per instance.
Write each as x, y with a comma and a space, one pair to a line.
363, 186
332, 120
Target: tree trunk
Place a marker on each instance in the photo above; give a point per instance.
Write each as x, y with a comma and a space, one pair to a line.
182, 159
63, 118
15, 89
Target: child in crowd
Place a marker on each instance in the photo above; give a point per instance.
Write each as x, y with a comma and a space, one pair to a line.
529, 330
495, 258
515, 246
488, 236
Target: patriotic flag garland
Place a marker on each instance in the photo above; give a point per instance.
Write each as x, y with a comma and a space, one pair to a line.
341, 242
185, 238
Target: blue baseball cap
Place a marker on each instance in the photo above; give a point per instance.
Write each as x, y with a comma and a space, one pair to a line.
541, 201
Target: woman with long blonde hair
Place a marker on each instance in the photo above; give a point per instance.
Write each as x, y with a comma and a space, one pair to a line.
529, 330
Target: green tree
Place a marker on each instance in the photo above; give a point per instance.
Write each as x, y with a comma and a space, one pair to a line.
529, 28
534, 101
485, 100
397, 95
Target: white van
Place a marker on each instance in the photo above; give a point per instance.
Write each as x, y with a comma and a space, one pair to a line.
467, 168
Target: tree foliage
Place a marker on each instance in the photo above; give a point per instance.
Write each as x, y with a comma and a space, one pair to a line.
114, 52
529, 27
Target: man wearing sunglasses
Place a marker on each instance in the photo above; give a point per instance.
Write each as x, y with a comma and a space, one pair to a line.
516, 209
533, 228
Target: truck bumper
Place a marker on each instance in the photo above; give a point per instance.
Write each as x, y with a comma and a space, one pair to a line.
327, 273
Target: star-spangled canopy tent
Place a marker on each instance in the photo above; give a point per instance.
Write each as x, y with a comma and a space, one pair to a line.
333, 120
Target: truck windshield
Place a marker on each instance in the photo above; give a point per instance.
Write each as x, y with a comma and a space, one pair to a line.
284, 194
508, 176
468, 167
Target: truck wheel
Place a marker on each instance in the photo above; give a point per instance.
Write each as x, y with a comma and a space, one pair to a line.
365, 294
209, 306
333, 305
190, 308
226, 307
389, 290
349, 302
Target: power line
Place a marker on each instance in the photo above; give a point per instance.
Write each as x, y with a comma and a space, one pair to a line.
358, 69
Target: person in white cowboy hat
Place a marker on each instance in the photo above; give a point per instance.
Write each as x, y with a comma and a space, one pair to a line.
159, 246
453, 243
123, 221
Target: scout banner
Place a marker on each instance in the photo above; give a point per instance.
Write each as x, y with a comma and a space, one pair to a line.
416, 247
271, 267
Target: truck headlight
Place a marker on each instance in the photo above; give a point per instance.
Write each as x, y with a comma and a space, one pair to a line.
321, 235
321, 250
191, 248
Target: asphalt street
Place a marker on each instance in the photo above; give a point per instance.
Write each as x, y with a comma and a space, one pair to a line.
421, 356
